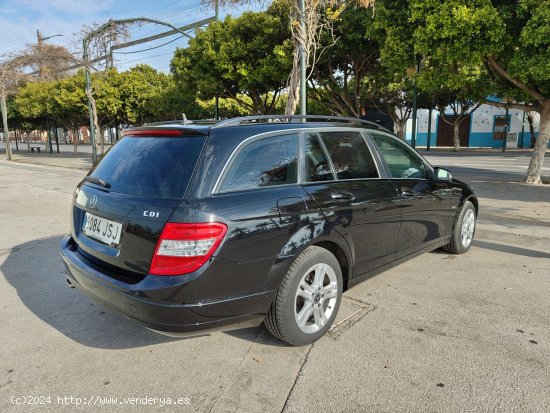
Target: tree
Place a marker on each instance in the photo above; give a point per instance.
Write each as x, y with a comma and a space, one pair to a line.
12, 75
461, 106
72, 101
509, 37
247, 56
390, 82
62, 102
148, 95
47, 60
531, 121
307, 27
175, 101
521, 60
338, 77
138, 88
17, 120
452, 37
108, 101
227, 108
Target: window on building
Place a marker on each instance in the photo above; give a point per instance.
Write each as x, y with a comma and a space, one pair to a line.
499, 129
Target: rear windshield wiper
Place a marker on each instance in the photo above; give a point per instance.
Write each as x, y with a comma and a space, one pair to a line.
97, 181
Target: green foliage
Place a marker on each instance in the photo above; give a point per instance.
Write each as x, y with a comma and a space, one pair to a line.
525, 50
347, 56
394, 32
136, 96
172, 102
138, 87
35, 100
249, 55
453, 37
227, 107
107, 93
71, 98
389, 86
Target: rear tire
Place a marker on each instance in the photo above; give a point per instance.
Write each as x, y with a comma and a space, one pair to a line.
308, 298
464, 231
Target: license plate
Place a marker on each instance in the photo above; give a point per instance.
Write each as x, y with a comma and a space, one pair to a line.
102, 229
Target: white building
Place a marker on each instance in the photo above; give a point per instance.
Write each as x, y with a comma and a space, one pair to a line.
483, 129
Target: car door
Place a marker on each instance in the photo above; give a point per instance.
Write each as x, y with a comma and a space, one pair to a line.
342, 176
425, 203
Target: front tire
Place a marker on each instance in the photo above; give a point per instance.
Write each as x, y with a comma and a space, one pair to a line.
464, 231
308, 298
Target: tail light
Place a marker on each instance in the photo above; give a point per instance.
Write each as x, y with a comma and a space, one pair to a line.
184, 248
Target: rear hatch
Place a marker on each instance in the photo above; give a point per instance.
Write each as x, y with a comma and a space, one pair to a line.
121, 207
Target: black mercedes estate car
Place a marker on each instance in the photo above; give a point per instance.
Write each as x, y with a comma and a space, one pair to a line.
191, 227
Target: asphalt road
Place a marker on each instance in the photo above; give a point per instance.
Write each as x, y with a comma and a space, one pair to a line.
440, 333
487, 164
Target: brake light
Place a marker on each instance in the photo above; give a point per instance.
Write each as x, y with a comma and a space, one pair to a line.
152, 132
184, 248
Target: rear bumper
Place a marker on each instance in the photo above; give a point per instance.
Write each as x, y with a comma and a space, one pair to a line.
140, 301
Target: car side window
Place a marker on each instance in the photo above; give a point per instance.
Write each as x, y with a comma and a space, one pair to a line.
266, 162
401, 160
316, 165
350, 155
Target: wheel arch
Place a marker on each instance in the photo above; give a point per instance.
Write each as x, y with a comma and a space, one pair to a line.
319, 234
341, 257
473, 199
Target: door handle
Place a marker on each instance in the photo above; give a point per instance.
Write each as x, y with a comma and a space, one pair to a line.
407, 191
342, 196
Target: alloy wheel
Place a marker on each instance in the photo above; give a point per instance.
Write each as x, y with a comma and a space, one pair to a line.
315, 298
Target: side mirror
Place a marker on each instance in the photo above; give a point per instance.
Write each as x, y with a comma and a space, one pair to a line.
442, 175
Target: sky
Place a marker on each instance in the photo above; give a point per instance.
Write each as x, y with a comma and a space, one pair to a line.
20, 19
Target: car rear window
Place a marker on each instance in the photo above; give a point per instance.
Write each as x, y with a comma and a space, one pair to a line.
150, 166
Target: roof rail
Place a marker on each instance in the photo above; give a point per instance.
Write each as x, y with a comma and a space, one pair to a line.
183, 122
293, 119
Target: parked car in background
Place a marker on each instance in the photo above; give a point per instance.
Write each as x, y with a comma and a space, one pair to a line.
191, 227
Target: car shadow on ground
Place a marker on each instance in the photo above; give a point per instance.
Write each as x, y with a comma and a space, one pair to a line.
36, 272
510, 249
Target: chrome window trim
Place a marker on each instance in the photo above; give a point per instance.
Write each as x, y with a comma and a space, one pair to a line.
236, 191
344, 180
300, 132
